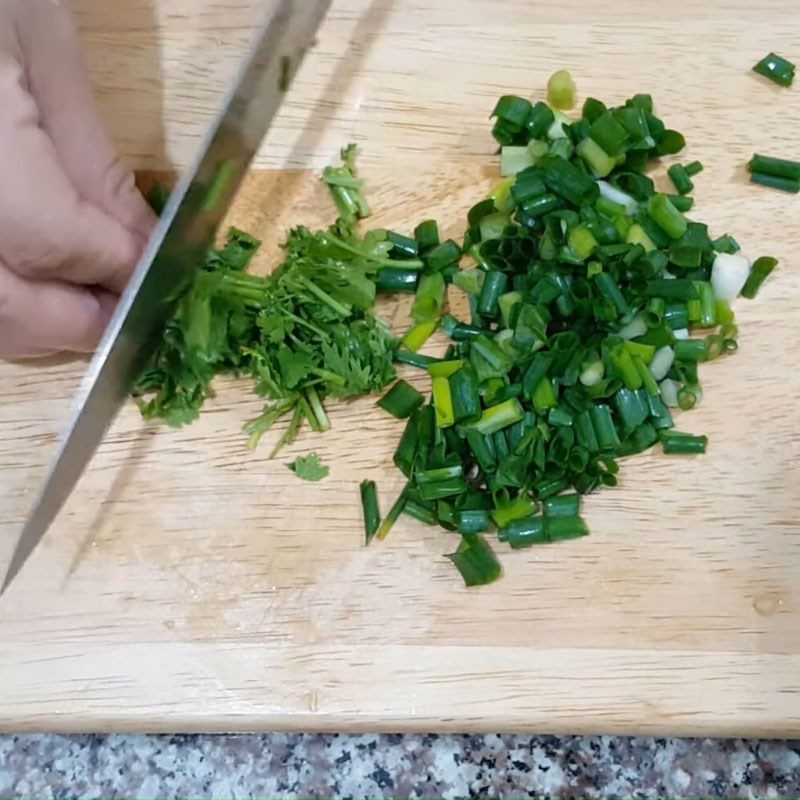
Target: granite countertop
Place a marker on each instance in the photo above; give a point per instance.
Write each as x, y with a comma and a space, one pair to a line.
370, 766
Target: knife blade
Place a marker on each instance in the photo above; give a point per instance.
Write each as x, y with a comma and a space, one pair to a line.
177, 246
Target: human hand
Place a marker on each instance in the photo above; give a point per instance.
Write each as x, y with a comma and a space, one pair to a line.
72, 223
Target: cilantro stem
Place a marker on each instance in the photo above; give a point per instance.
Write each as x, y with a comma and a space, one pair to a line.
317, 408
340, 308
406, 263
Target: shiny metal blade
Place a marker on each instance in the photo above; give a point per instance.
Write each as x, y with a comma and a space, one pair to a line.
186, 229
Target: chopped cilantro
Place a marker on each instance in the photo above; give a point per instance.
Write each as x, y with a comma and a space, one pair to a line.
309, 468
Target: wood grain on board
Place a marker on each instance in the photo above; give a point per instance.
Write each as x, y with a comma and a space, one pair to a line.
192, 585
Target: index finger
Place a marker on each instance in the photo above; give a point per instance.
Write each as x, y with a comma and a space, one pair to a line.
46, 230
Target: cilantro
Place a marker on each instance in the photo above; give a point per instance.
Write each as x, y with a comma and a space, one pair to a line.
305, 333
309, 468
347, 188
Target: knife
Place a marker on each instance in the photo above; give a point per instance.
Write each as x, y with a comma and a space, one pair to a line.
177, 246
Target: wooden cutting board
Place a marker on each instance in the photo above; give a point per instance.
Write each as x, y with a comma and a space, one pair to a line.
192, 585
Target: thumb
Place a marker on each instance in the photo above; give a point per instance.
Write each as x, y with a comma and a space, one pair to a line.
58, 83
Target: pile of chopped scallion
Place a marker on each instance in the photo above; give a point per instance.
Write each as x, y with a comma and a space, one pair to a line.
593, 302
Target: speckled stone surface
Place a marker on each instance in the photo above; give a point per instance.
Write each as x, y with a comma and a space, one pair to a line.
297, 766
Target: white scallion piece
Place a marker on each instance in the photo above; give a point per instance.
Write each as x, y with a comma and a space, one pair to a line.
617, 196
636, 327
729, 274
593, 373
669, 392
662, 361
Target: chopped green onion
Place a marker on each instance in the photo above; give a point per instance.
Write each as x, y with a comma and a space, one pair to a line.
610, 289
598, 160
666, 216
762, 269
513, 110
506, 304
564, 505
469, 281
690, 350
776, 68
514, 159
426, 235
436, 490
582, 242
401, 400
561, 90
393, 515
475, 561
603, 426
635, 328
443, 255
495, 418
419, 334
678, 289
638, 235
494, 285
443, 402
405, 455
561, 527
544, 397
662, 362
465, 398
444, 368
521, 506
791, 185
780, 167
403, 247
584, 311
680, 177
715, 345
670, 143
693, 168
682, 203
474, 520
609, 135
429, 298
729, 274
369, 504
421, 511
677, 443
725, 244
539, 121
403, 356
396, 279
523, 532
493, 225
689, 397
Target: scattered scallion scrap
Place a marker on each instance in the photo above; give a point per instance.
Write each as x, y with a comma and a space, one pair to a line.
776, 68
561, 90
777, 173
475, 560
401, 400
762, 269
309, 468
594, 302
369, 506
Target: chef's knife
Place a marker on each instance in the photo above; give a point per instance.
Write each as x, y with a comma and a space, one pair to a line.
176, 248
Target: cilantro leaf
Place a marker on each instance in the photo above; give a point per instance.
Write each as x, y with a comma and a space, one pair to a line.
309, 468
